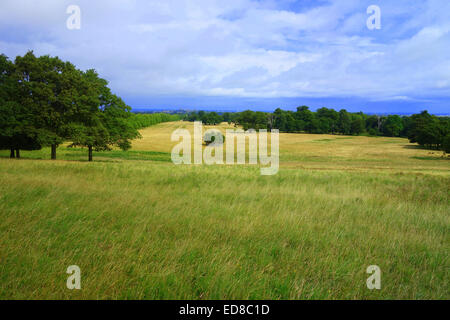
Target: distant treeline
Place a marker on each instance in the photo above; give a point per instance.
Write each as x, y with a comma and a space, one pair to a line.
144, 120
425, 129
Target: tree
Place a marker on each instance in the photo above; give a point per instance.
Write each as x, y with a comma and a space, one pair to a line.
279, 120
407, 123
306, 116
49, 93
192, 116
227, 117
324, 125
418, 123
144, 120
16, 121
429, 136
329, 120
344, 122
103, 118
446, 143
393, 126
261, 120
372, 125
358, 125
214, 118
291, 123
45, 101
210, 137
7, 118
314, 125
427, 130
247, 119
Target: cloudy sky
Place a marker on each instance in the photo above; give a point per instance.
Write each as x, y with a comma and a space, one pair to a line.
236, 54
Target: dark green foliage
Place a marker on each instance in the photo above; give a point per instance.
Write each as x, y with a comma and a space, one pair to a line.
227, 117
329, 120
373, 125
45, 101
446, 143
144, 120
47, 89
253, 120
418, 122
305, 119
103, 121
210, 118
344, 122
246, 118
18, 130
358, 124
429, 131
373, 132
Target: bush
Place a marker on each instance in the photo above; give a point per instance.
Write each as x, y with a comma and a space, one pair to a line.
210, 137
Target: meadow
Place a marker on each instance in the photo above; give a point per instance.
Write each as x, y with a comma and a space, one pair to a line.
140, 227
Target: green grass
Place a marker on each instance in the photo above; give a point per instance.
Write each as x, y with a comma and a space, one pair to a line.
80, 154
153, 230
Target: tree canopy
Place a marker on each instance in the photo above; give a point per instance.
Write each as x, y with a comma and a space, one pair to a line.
45, 101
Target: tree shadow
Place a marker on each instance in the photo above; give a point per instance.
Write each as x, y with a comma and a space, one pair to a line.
65, 160
417, 147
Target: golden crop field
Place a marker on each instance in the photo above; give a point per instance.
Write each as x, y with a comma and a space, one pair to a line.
140, 227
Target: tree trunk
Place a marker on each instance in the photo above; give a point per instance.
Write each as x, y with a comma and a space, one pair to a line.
90, 153
17, 153
12, 154
53, 157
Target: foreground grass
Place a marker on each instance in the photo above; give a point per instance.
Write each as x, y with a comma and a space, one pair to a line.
156, 231
140, 227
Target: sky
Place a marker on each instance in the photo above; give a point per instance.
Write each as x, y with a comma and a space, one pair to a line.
248, 54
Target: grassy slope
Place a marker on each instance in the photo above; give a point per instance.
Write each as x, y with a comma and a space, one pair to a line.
149, 229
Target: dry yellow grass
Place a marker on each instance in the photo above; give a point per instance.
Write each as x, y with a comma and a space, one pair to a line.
331, 152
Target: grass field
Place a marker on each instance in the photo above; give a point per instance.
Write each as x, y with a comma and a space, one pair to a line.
140, 227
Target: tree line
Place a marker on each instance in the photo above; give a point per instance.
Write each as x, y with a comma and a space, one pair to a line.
144, 120
427, 130
45, 101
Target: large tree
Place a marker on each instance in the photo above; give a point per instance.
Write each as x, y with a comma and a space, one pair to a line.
49, 93
329, 120
344, 122
393, 126
358, 124
446, 143
18, 131
46, 101
418, 124
429, 131
103, 118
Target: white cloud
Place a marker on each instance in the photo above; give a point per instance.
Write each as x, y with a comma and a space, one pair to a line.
243, 47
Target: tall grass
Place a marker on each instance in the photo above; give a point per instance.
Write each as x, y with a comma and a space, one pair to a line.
153, 230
